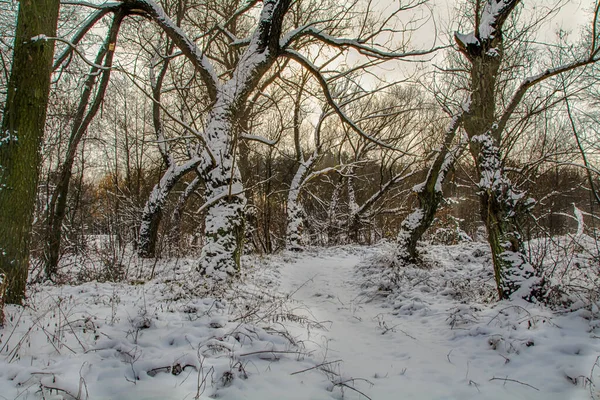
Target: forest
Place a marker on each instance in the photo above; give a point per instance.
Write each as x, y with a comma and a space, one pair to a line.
299, 199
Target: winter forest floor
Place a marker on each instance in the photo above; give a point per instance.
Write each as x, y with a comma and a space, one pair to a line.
331, 323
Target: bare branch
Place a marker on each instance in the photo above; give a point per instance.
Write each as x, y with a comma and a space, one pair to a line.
205, 69
300, 59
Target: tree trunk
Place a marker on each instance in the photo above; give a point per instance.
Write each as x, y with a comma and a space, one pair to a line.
58, 202
20, 138
152, 213
3, 284
501, 208
353, 223
175, 233
429, 195
333, 226
295, 212
225, 199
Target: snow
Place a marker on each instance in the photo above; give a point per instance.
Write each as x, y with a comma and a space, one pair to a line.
163, 19
489, 17
41, 37
324, 324
466, 39
579, 218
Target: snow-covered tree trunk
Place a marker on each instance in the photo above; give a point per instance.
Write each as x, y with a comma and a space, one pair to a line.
224, 223
225, 199
501, 205
295, 211
333, 225
353, 224
429, 194
152, 214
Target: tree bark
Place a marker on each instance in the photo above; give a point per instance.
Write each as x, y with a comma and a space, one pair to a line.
501, 205
152, 213
429, 195
295, 211
225, 199
175, 232
21, 135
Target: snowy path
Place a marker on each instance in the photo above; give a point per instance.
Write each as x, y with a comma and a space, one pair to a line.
355, 334
419, 358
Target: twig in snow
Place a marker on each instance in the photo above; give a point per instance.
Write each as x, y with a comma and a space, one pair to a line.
316, 367
515, 381
290, 295
591, 381
269, 352
448, 356
344, 384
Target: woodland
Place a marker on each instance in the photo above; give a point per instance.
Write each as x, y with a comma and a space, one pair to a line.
228, 133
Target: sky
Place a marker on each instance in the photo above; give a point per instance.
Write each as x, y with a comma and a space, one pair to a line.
441, 15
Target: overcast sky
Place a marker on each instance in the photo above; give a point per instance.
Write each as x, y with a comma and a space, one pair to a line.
573, 15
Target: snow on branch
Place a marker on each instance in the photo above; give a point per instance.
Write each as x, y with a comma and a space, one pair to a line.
445, 158
261, 139
205, 69
356, 44
303, 61
396, 179
493, 16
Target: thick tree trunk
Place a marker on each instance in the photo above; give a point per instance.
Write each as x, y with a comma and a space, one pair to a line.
21, 135
429, 195
225, 199
501, 208
501, 205
58, 202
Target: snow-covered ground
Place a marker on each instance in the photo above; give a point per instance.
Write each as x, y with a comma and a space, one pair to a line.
325, 324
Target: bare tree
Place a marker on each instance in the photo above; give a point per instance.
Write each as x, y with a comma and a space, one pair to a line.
429, 195
86, 111
502, 205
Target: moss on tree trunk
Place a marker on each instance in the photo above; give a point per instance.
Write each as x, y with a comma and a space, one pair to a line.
21, 136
